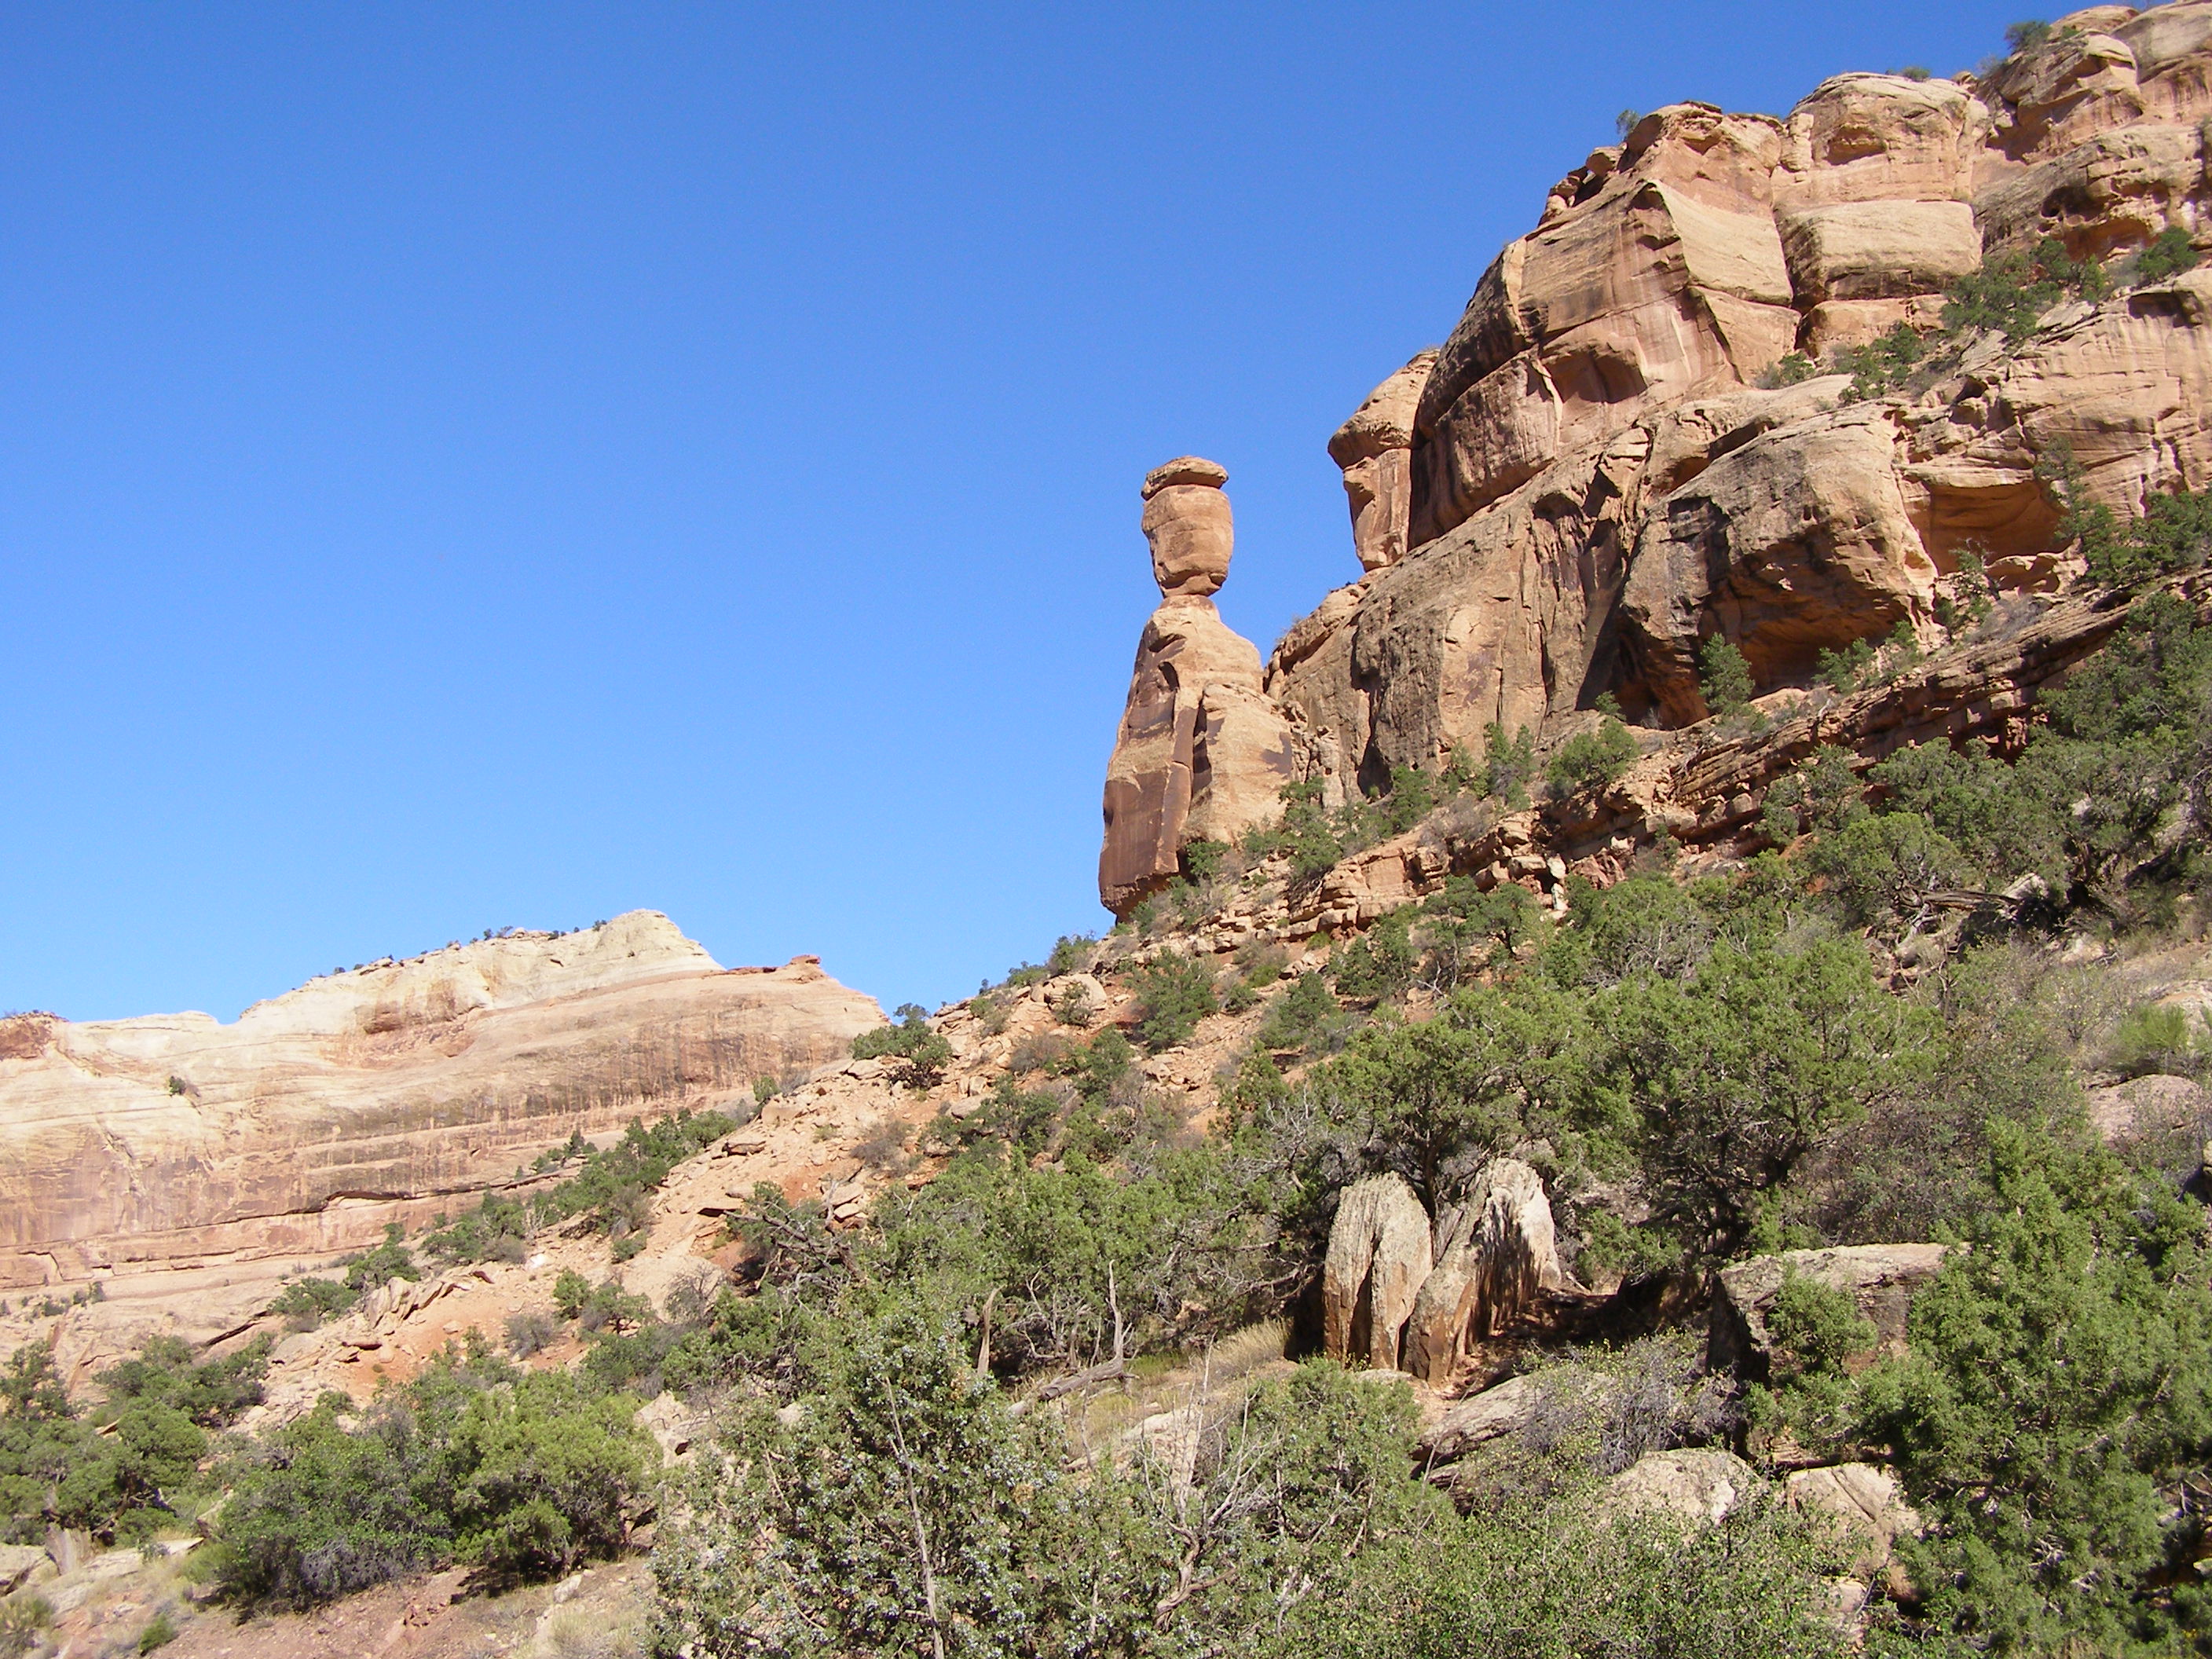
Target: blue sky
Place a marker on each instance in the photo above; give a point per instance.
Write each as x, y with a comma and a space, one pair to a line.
467, 465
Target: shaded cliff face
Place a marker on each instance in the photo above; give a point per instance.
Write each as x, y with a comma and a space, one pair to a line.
1595, 483
377, 1095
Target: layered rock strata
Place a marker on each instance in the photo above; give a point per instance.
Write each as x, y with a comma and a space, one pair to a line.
177, 1142
1609, 463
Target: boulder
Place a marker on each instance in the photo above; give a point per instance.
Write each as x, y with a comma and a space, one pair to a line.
1880, 1277
1699, 1483
17, 1563
1374, 449
1512, 1408
1797, 542
1879, 250
1187, 521
1864, 1508
2145, 1106
1880, 138
1496, 1258
1378, 1255
1203, 752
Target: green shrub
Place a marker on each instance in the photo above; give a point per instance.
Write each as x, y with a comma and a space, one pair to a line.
1508, 764
522, 1474
1590, 759
1381, 962
918, 1052
1299, 1015
1174, 992
2166, 256
158, 1633
2058, 1388
1727, 683
1883, 364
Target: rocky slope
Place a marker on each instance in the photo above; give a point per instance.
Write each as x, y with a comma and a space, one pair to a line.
181, 1163
1604, 465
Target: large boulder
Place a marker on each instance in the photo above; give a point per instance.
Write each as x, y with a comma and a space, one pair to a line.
1378, 1256
1797, 542
1881, 1278
1495, 1259
1697, 1483
1861, 1507
1202, 751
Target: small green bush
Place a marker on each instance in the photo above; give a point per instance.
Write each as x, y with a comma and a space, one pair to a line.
1174, 992
919, 1053
1590, 759
2167, 255
1727, 683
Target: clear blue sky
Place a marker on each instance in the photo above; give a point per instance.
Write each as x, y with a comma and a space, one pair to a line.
467, 465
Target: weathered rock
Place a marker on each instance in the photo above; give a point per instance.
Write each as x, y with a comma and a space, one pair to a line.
171, 1142
1202, 751
1378, 1255
2151, 1105
1702, 1483
17, 1563
1880, 1277
1495, 1259
1864, 1507
1511, 1408
1799, 541
1668, 276
1879, 250
1880, 138
1188, 522
1373, 448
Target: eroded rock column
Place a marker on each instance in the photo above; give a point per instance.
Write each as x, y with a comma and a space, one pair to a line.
1203, 752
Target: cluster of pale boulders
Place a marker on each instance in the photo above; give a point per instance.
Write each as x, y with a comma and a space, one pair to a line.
1402, 1292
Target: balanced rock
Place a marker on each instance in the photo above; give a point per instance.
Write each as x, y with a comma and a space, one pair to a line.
1496, 1257
1374, 450
1378, 1256
1203, 752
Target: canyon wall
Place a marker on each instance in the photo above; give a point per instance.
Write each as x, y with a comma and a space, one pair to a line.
176, 1142
1636, 438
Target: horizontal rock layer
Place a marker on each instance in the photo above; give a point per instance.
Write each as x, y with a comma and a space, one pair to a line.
175, 1140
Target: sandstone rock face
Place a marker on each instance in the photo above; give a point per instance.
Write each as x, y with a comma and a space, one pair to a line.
1496, 1257
1202, 750
375, 1095
1880, 1277
1597, 485
1661, 275
1378, 1256
1375, 449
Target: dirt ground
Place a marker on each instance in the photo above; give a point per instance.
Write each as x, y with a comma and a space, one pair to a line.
600, 1613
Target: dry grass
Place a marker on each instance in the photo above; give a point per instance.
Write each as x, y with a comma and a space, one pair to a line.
591, 1633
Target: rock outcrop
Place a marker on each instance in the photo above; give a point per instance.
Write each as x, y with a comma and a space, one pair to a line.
1881, 1278
1378, 1255
1605, 465
1375, 448
1203, 752
1495, 1259
176, 1142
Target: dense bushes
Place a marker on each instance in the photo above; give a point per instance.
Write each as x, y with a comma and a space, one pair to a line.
612, 1190
918, 1052
306, 1303
520, 1474
128, 1467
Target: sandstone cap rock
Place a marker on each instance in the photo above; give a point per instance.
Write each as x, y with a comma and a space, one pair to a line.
1184, 470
